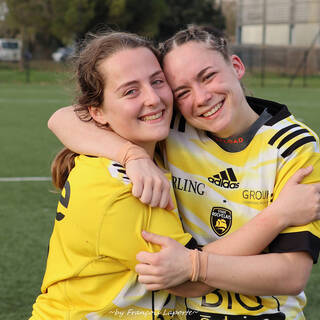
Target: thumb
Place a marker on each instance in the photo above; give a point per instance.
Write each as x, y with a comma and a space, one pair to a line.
301, 174
170, 205
155, 238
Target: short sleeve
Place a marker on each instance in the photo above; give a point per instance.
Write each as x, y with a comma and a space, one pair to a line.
303, 238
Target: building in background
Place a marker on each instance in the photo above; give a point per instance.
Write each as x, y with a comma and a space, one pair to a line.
281, 36
278, 22
3, 10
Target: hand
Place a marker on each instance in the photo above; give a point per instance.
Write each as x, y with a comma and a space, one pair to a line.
298, 204
150, 184
167, 268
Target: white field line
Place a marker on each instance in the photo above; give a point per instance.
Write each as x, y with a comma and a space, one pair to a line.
19, 179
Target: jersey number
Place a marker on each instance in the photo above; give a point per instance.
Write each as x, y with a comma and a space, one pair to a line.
216, 292
64, 200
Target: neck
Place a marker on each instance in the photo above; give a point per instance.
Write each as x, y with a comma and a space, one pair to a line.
242, 121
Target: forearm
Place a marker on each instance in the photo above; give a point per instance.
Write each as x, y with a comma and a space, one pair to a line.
266, 274
191, 289
84, 137
250, 239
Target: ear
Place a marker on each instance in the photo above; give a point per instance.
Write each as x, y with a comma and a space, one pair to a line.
238, 66
98, 114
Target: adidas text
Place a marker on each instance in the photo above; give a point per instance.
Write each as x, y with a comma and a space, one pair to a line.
225, 179
224, 183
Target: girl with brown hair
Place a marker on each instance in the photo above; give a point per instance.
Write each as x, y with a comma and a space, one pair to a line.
231, 158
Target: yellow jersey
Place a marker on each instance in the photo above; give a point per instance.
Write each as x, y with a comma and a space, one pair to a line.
92, 253
220, 184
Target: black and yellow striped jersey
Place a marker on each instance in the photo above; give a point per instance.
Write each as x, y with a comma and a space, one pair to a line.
92, 254
220, 184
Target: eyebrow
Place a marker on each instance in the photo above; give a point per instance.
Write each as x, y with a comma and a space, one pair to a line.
199, 75
129, 83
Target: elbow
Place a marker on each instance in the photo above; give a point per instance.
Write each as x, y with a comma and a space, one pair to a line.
52, 121
297, 285
62, 115
50, 124
296, 273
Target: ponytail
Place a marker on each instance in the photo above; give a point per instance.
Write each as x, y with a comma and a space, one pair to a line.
61, 167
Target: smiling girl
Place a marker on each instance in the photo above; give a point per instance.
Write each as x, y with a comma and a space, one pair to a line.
97, 233
231, 158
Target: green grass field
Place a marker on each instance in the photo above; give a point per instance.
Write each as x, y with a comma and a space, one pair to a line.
27, 209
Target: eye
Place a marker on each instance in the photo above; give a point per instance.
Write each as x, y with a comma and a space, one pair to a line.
208, 76
157, 82
130, 92
181, 94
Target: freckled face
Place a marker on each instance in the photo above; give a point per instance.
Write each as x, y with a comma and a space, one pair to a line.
137, 98
207, 89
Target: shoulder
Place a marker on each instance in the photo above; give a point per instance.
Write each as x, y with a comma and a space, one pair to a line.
99, 170
94, 178
93, 185
291, 136
283, 131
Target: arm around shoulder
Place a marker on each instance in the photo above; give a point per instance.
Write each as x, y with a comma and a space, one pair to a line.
84, 137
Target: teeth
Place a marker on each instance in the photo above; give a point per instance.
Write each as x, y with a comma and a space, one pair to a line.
213, 110
153, 117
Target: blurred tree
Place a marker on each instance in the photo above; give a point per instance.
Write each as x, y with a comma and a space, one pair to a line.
51, 22
139, 16
57, 19
184, 12
70, 18
26, 18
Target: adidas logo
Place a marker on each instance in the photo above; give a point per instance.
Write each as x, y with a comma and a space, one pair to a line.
225, 179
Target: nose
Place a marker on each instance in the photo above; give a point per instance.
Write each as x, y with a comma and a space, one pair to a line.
151, 97
201, 95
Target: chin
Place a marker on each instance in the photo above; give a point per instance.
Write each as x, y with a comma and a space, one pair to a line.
160, 137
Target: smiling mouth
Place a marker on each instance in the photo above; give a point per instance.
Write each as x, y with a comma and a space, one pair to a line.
213, 110
152, 117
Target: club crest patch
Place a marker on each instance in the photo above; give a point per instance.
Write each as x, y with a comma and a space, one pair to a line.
220, 220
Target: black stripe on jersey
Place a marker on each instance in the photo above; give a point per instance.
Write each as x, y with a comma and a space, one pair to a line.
291, 136
174, 114
118, 165
182, 124
192, 244
121, 171
280, 133
181, 121
297, 144
297, 241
